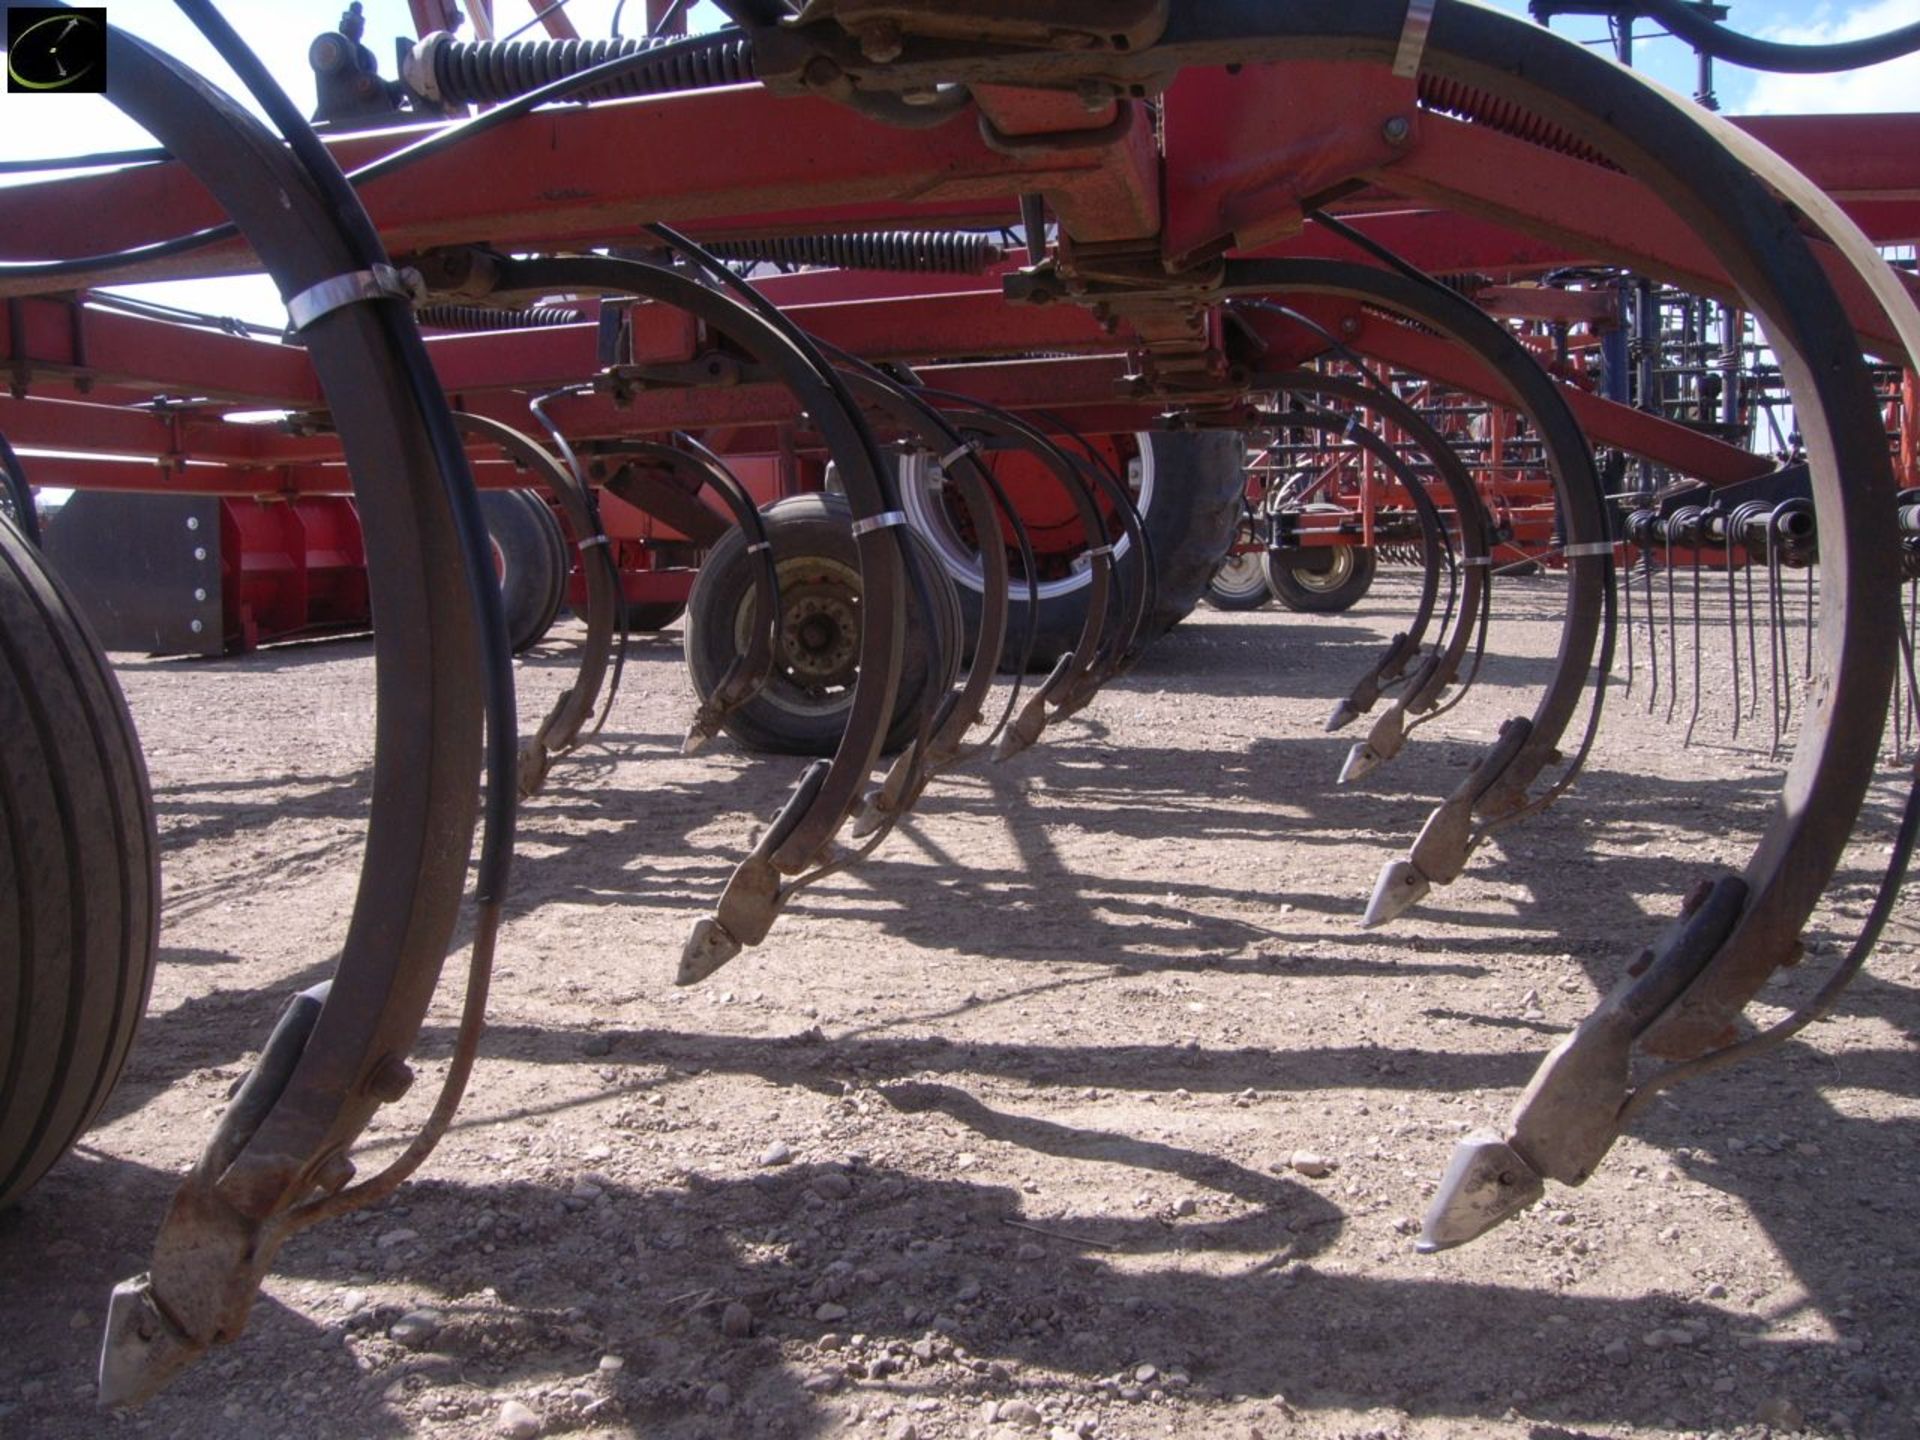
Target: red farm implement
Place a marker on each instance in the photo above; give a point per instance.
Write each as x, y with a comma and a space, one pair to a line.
954, 385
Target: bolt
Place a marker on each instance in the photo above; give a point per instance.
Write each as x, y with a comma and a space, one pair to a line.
390, 1079
882, 43
199, 552
1350, 326
197, 626
200, 595
1397, 130
193, 522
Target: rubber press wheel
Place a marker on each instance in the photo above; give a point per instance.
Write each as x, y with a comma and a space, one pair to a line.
79, 873
530, 552
1339, 583
802, 709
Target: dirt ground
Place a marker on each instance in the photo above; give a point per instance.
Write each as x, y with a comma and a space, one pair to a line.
995, 1136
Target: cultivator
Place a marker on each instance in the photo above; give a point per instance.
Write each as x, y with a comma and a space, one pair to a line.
949, 387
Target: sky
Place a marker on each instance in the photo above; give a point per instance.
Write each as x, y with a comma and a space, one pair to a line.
38, 126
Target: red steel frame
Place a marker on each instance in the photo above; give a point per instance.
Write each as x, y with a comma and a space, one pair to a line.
1449, 195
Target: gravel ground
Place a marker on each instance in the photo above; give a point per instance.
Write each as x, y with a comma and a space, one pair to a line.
1083, 1109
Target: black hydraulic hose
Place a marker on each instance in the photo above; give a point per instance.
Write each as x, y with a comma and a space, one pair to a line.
26, 517
98, 160
445, 138
450, 455
1711, 38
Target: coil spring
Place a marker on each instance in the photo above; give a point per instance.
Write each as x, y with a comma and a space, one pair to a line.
489, 71
483, 317
1452, 98
946, 252
1400, 555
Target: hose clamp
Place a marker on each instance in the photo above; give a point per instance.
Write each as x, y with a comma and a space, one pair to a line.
1413, 39
1588, 550
879, 522
1093, 550
382, 282
1477, 562
966, 448
758, 546
594, 540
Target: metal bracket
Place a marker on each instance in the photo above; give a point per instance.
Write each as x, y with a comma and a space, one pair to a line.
382, 282
1413, 39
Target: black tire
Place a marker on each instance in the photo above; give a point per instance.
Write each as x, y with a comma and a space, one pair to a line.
532, 552
1194, 503
644, 615
1240, 583
802, 710
79, 873
1342, 584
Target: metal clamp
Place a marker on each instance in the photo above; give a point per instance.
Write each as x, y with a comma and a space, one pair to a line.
970, 447
758, 546
1093, 550
594, 540
382, 282
878, 522
1591, 549
1477, 561
1413, 39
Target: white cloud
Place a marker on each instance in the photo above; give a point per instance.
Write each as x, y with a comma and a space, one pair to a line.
1878, 89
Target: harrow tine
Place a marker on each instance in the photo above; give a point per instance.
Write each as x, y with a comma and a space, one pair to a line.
1653, 646
1625, 581
1693, 718
1673, 640
1733, 632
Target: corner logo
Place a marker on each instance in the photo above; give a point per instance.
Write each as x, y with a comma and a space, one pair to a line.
54, 48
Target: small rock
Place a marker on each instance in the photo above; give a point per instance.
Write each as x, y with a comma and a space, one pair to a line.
778, 1153
1018, 1412
1619, 1352
719, 1397
1030, 1252
736, 1321
904, 1430
415, 1328
832, 1340
597, 1045
1716, 1291
1185, 1206
396, 1237
610, 1364
1314, 1167
832, 1185
969, 1290
830, 1312
821, 1384
1146, 1374
352, 1301
1782, 1414
517, 1422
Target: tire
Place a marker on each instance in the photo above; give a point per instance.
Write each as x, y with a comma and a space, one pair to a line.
1191, 485
79, 873
1240, 583
1340, 586
645, 615
802, 710
530, 550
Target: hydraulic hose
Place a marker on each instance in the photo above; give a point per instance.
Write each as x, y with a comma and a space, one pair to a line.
1711, 38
